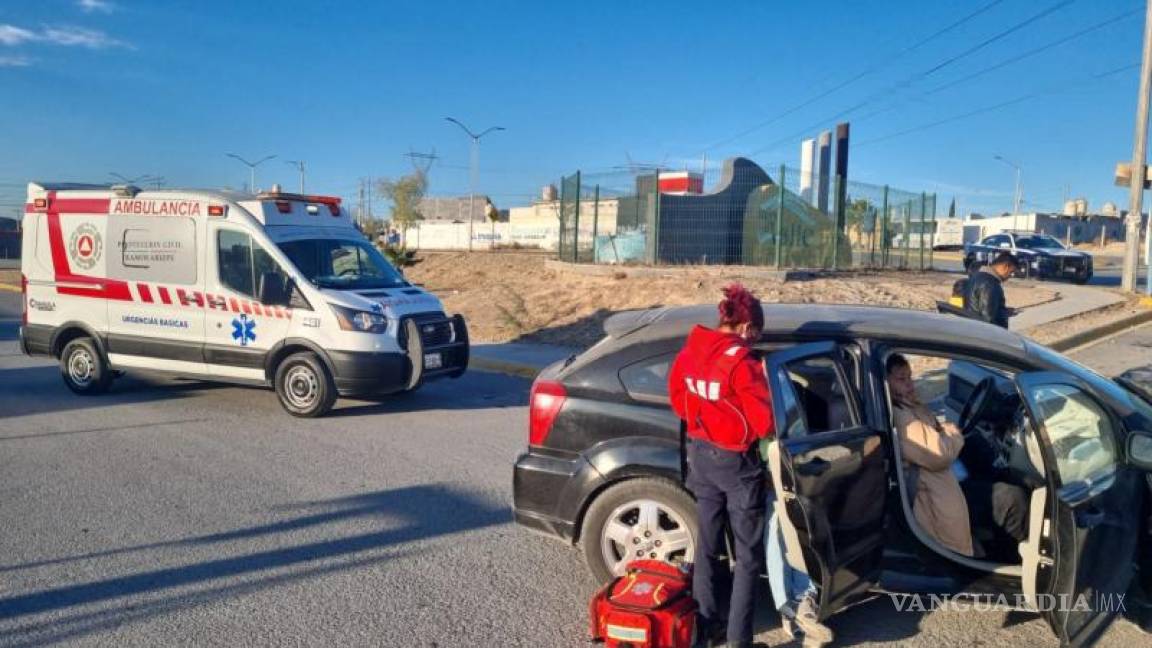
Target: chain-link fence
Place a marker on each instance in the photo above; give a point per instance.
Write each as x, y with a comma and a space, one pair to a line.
750, 218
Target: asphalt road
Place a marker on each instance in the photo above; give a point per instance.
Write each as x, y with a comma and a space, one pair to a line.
177, 513
1107, 274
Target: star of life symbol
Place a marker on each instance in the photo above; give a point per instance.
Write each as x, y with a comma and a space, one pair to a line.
643, 588
242, 330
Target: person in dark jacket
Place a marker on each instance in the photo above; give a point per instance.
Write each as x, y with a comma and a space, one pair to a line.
984, 294
718, 387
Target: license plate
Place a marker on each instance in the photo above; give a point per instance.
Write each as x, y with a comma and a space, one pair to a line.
433, 361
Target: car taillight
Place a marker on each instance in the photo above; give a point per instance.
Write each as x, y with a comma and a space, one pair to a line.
544, 403
24, 299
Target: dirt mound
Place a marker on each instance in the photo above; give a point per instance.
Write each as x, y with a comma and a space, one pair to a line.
514, 296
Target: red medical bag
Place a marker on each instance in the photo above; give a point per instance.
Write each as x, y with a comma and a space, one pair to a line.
650, 606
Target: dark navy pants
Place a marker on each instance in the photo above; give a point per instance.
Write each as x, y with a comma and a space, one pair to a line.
729, 490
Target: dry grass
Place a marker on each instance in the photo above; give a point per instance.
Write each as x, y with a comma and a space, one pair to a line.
513, 296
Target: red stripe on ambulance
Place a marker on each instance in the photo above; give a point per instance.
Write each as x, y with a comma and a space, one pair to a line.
145, 292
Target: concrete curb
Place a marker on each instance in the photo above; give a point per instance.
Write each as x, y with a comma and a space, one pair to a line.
1095, 334
517, 369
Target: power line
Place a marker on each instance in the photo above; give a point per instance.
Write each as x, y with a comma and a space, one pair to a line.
857, 77
1009, 61
922, 75
979, 111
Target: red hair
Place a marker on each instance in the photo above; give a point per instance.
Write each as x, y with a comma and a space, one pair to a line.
740, 306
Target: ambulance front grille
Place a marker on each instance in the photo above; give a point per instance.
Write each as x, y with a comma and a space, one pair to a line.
435, 330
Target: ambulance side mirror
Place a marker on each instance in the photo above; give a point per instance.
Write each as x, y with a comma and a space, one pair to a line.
274, 290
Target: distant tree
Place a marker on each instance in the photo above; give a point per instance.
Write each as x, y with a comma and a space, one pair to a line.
952, 208
406, 194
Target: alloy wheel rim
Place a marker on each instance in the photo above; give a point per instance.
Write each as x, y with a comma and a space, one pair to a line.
644, 529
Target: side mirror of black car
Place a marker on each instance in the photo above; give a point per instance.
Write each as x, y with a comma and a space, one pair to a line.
274, 289
1140, 449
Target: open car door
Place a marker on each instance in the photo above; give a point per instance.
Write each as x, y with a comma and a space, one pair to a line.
830, 473
1091, 525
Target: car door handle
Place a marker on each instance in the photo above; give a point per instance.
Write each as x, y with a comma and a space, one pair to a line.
1089, 518
814, 467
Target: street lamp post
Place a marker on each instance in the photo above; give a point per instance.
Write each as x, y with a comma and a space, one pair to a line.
1018, 196
473, 169
299, 164
251, 168
147, 177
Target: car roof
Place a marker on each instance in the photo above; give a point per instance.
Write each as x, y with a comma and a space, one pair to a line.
829, 321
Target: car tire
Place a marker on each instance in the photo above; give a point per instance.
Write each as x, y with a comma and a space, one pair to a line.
618, 524
84, 368
305, 386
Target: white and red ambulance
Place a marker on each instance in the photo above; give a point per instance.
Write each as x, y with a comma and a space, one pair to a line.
273, 289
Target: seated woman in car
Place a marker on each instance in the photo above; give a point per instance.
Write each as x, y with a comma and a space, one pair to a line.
929, 448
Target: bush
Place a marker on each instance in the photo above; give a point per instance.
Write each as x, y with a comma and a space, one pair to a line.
399, 256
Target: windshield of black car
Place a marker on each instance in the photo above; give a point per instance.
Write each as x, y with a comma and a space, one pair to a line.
1034, 242
342, 264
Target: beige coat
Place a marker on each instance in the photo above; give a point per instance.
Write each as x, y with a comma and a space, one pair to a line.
939, 507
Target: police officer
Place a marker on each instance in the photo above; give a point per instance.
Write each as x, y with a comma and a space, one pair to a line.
718, 387
984, 294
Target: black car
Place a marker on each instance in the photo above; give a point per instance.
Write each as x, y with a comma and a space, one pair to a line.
605, 464
1038, 255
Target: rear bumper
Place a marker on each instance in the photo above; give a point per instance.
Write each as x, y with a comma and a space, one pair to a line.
36, 339
548, 493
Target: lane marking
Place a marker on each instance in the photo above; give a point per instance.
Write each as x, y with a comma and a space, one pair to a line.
9, 288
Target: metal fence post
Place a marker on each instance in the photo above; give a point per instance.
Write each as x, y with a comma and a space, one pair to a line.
656, 219
576, 224
595, 220
560, 215
907, 232
838, 211
884, 242
935, 227
923, 210
779, 216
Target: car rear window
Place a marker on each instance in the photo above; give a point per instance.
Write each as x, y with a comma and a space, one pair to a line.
647, 380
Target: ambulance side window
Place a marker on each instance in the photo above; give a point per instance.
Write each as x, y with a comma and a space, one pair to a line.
242, 262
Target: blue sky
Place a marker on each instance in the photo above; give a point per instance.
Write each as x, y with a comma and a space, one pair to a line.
96, 86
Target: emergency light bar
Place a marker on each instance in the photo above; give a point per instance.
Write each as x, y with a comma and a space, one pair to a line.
332, 202
216, 210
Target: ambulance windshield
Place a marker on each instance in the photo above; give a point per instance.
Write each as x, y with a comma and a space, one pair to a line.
342, 264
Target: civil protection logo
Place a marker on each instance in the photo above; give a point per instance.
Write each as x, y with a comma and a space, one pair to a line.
85, 246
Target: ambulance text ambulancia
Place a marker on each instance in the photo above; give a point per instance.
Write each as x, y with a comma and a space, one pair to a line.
273, 289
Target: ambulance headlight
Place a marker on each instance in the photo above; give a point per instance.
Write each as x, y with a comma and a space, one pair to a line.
358, 320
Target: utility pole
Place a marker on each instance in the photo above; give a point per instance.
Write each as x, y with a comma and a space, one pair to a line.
360, 206
1018, 194
299, 164
1139, 164
474, 169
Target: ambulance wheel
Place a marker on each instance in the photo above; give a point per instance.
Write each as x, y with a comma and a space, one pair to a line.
304, 386
85, 371
646, 517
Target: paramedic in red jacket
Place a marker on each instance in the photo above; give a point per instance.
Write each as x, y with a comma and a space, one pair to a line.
718, 387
